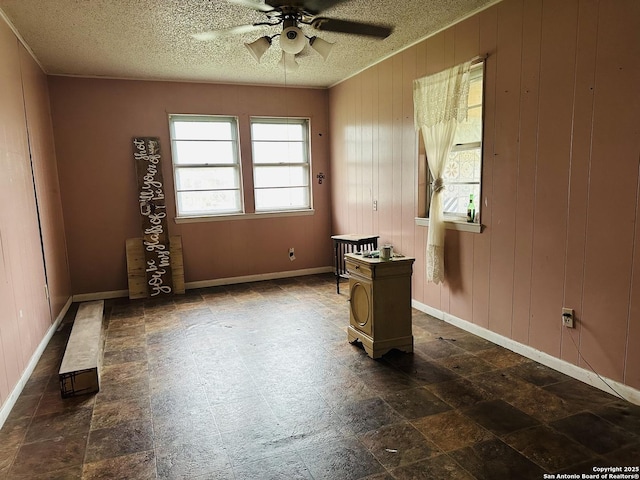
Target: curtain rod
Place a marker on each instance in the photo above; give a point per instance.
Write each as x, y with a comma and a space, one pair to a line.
474, 61
479, 59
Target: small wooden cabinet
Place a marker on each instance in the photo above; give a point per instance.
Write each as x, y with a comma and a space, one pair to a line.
380, 303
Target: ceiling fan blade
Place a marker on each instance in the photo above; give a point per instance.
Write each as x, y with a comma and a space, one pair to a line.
213, 34
354, 28
312, 7
253, 5
318, 6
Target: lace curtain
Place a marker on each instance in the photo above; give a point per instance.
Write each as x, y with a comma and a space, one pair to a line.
439, 103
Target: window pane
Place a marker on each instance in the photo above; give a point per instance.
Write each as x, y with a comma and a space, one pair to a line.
278, 152
281, 198
278, 131
206, 164
456, 198
202, 130
475, 89
463, 166
202, 153
284, 185
281, 176
210, 178
470, 130
202, 203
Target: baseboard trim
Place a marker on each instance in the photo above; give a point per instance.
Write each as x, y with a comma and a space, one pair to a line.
628, 393
17, 390
88, 297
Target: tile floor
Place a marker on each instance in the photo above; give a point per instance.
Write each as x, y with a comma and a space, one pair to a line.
257, 381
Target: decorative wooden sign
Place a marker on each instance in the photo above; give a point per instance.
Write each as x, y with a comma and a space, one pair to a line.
146, 154
136, 267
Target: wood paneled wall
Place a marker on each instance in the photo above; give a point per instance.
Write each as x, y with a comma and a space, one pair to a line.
31, 226
561, 181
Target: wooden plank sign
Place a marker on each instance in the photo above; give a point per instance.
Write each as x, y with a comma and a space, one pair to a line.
146, 154
136, 271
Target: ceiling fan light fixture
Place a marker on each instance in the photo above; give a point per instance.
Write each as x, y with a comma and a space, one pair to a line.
321, 46
292, 40
259, 47
288, 61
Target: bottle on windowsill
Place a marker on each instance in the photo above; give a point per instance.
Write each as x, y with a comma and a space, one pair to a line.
471, 210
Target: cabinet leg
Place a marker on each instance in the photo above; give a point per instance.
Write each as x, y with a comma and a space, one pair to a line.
406, 348
351, 338
370, 352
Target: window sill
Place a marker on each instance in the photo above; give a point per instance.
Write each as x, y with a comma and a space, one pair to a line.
450, 224
244, 216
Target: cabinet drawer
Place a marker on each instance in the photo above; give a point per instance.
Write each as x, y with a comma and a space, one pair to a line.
359, 269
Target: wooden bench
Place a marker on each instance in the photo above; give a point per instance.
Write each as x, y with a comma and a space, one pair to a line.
79, 369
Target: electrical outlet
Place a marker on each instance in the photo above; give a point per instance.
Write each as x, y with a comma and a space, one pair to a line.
292, 254
375, 205
567, 318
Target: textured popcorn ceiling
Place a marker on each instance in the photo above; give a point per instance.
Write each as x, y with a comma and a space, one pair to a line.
150, 39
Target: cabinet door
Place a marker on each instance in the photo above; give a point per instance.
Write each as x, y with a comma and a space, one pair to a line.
361, 305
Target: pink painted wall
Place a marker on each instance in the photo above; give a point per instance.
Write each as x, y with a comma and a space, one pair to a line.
45, 173
27, 170
561, 177
94, 122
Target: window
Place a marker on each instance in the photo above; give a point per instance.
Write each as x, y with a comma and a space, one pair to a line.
281, 164
206, 165
462, 173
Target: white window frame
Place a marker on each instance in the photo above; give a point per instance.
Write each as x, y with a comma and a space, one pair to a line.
233, 121
306, 123
456, 221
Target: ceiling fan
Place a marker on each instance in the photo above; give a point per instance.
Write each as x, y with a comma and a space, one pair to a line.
292, 14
